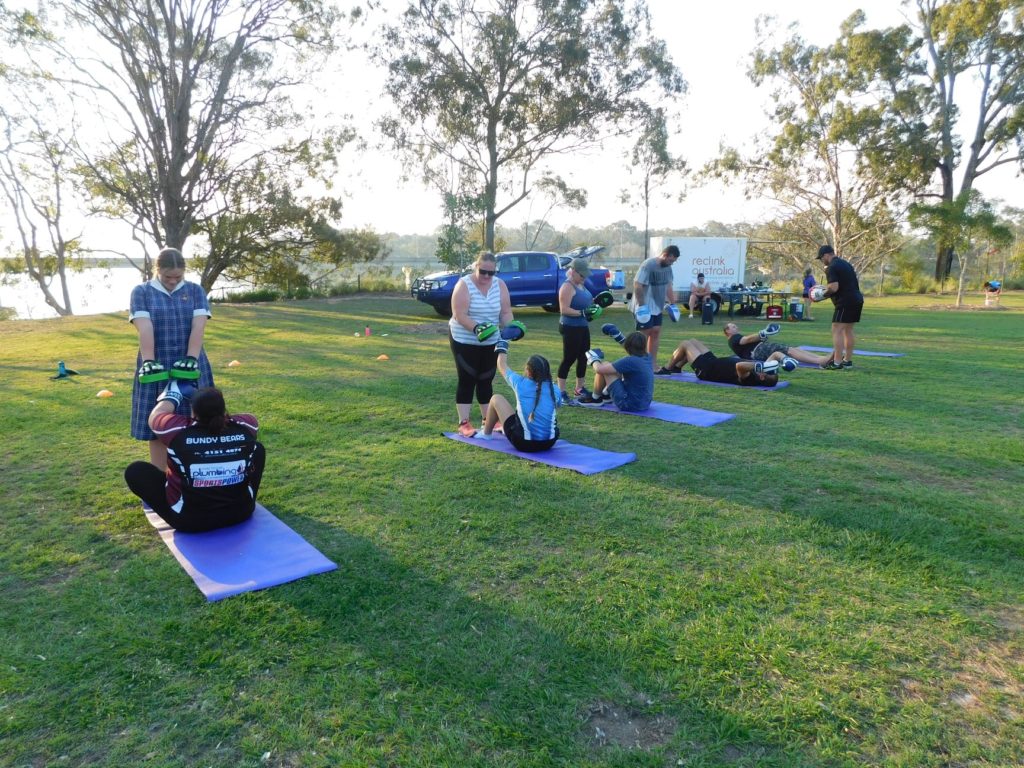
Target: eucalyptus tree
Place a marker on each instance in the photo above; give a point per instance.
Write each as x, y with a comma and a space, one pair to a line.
500, 87
940, 99
807, 162
187, 98
964, 226
654, 167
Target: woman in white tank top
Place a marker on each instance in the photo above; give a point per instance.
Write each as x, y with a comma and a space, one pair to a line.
480, 298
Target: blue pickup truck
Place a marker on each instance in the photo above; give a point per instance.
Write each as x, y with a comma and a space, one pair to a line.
533, 279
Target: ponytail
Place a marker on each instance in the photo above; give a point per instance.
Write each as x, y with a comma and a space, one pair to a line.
540, 372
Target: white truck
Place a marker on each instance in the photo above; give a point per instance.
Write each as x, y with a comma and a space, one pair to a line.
723, 260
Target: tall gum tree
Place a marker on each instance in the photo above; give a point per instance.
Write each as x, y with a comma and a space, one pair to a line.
187, 95
913, 125
498, 87
806, 163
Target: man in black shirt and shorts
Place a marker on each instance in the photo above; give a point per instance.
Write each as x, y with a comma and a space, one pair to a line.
843, 288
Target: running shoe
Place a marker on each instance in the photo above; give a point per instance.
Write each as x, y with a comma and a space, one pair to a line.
566, 400
667, 371
591, 401
466, 429
846, 364
581, 392
830, 366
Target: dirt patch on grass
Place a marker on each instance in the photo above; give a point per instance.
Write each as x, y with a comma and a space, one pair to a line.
626, 727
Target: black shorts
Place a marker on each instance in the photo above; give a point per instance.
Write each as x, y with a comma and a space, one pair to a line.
847, 313
513, 429
710, 368
654, 322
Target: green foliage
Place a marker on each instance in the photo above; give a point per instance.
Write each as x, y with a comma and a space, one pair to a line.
806, 163
455, 244
908, 120
494, 89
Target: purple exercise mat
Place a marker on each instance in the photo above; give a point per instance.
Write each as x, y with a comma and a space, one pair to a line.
261, 552
865, 352
581, 458
691, 378
677, 414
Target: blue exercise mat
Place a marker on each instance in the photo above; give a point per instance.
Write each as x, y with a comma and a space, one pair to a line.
691, 378
677, 414
863, 352
579, 458
259, 553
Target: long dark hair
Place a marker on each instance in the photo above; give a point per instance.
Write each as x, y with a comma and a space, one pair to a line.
209, 410
539, 370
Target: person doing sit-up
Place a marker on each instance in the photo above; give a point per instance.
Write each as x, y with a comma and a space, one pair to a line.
724, 370
628, 383
214, 465
755, 346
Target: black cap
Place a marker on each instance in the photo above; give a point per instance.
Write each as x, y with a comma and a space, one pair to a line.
825, 249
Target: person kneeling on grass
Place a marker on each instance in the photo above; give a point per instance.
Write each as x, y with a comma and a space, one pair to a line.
214, 465
629, 381
724, 370
533, 424
755, 346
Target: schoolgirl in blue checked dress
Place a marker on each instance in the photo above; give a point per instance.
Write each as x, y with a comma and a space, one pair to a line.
170, 317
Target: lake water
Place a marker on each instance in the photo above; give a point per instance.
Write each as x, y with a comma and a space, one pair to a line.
93, 291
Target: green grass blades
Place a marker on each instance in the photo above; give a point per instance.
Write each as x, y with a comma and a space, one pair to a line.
832, 578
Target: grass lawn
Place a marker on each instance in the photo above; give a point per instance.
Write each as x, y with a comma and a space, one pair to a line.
832, 578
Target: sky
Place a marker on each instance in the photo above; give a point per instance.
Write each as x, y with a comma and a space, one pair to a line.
711, 43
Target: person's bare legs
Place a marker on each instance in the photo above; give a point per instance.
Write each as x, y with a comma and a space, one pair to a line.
837, 343
499, 410
653, 337
803, 356
158, 455
687, 351
848, 340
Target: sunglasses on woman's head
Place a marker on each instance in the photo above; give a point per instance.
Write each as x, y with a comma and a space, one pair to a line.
486, 272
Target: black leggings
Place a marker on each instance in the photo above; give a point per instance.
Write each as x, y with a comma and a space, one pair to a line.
476, 365
149, 484
575, 343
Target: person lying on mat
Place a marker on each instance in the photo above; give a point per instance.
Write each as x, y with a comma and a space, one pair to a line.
724, 370
214, 465
755, 346
629, 381
533, 424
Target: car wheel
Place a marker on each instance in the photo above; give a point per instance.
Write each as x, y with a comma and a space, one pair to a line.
550, 308
444, 310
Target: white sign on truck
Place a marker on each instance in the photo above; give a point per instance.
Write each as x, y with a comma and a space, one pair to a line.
723, 260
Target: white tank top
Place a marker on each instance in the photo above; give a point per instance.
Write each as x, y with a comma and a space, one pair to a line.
482, 309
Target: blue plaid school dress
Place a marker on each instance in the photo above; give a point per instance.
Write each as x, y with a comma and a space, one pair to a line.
171, 315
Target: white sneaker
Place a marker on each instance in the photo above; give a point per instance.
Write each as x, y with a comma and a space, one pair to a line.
481, 435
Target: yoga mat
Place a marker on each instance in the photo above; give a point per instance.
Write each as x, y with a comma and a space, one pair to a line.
261, 552
581, 458
677, 414
863, 352
691, 378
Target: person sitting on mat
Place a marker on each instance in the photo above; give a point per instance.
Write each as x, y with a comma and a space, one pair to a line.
754, 346
724, 370
533, 424
628, 383
214, 466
